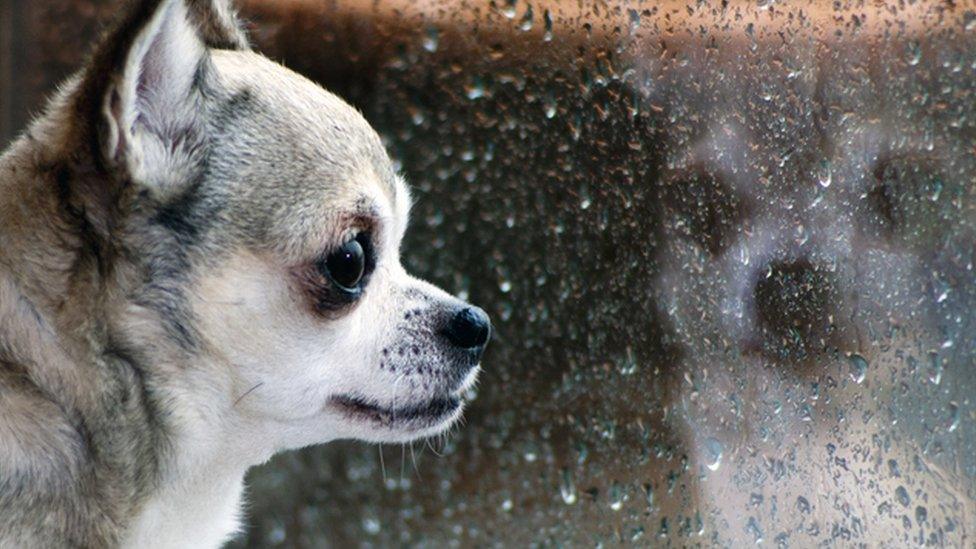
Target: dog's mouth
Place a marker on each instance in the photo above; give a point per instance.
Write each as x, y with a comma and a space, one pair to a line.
417, 416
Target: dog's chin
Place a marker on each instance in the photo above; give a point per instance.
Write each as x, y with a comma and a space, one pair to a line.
404, 422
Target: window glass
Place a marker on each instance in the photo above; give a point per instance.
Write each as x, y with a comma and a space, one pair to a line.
728, 249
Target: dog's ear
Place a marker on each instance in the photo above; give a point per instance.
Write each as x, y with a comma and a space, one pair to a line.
147, 85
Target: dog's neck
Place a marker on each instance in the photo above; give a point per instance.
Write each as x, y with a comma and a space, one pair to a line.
56, 315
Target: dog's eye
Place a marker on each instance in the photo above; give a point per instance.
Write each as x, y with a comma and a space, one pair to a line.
345, 266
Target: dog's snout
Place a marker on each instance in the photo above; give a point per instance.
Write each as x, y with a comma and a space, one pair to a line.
469, 328
793, 303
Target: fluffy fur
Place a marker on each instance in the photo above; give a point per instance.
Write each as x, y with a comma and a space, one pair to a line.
164, 320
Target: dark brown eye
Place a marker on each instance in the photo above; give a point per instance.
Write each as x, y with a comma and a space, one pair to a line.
345, 266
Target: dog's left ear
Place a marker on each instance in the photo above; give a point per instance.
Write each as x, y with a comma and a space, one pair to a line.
147, 89
218, 24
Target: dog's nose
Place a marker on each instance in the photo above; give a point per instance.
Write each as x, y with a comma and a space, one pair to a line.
469, 328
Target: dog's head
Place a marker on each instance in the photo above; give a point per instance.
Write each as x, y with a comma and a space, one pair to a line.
260, 219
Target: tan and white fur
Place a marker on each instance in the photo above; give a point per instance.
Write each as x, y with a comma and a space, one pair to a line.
169, 311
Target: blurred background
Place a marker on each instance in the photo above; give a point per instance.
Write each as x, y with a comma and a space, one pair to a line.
727, 246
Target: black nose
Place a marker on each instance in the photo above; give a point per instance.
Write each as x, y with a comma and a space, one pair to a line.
469, 328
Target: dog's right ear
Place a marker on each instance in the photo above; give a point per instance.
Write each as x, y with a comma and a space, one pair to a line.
145, 90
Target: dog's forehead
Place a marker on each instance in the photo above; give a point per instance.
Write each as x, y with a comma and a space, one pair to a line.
294, 124
293, 156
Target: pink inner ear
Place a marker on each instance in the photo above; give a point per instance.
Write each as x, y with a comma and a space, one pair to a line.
163, 71
115, 109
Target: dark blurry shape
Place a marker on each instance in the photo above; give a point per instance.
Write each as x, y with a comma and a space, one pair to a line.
643, 196
793, 304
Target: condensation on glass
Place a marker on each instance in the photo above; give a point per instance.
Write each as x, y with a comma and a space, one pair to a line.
728, 248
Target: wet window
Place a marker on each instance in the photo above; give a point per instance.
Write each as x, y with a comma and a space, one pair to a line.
728, 248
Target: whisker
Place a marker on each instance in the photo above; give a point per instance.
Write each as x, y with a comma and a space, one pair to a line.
382, 463
249, 391
403, 460
413, 458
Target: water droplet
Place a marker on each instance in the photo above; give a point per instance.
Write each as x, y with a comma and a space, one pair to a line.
616, 496
475, 89
713, 454
526, 23
893, 468
935, 368
859, 367
547, 21
825, 174
634, 18
509, 9
431, 39
902, 495
567, 487
953, 417
549, 104
507, 505
752, 527
371, 525
921, 514
802, 505
649, 496
914, 52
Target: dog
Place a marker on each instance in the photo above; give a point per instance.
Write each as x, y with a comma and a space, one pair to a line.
199, 267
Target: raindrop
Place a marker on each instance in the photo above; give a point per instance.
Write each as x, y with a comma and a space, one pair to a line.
649, 496
664, 530
921, 514
825, 174
509, 9
475, 89
802, 505
635, 19
953, 417
902, 495
526, 23
914, 52
431, 39
567, 487
547, 20
616, 496
549, 104
371, 525
935, 368
752, 527
507, 505
713, 454
859, 367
